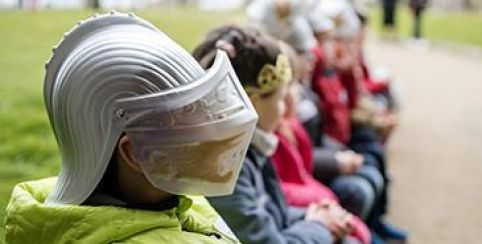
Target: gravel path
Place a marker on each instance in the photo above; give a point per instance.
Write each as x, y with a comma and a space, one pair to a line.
436, 153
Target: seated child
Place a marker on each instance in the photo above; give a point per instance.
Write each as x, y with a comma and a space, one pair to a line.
383, 96
293, 161
257, 211
140, 125
363, 137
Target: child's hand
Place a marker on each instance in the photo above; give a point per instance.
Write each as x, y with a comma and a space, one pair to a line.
332, 216
389, 120
349, 162
386, 123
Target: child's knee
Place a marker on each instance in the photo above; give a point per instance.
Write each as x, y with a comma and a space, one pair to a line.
373, 176
355, 193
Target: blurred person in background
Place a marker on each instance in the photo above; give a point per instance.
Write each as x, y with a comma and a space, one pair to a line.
417, 8
293, 161
367, 117
285, 20
389, 9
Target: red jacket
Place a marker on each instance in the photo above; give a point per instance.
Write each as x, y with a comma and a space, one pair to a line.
333, 98
294, 166
373, 86
349, 81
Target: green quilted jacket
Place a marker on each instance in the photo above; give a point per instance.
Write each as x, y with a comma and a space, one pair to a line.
28, 220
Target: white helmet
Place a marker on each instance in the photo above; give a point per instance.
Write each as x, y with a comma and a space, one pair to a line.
115, 74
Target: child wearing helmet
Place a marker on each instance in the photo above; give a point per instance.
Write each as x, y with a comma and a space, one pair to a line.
140, 126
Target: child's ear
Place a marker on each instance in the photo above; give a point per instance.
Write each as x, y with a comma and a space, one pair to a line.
127, 154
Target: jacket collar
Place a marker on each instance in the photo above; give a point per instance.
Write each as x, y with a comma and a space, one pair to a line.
97, 224
264, 142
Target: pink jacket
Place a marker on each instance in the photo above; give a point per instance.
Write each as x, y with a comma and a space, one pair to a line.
293, 164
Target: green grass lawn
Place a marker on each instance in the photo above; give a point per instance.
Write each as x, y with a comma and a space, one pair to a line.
27, 147
457, 27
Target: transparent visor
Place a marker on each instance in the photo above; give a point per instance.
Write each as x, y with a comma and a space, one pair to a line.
192, 139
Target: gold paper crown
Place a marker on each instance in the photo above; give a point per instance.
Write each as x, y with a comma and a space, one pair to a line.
271, 77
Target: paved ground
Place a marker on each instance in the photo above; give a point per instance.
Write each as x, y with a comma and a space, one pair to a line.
436, 154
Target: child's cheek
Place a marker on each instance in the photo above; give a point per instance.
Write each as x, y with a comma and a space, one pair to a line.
281, 108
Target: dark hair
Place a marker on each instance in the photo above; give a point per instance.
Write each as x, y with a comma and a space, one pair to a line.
248, 48
363, 18
109, 184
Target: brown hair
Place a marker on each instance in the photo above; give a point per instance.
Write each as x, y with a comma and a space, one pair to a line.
248, 48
